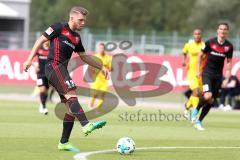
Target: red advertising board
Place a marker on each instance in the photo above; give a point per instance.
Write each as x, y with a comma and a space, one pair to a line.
11, 69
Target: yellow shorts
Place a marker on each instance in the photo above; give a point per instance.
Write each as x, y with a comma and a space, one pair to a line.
99, 86
194, 82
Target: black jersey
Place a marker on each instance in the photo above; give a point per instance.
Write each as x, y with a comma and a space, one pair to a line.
215, 56
42, 54
63, 41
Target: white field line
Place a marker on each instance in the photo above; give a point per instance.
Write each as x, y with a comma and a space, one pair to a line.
84, 155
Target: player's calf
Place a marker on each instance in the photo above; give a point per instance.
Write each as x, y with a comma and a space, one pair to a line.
77, 110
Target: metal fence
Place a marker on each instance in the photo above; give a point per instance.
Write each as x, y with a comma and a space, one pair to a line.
150, 43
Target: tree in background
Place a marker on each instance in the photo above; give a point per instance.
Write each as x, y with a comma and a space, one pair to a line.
140, 15
207, 13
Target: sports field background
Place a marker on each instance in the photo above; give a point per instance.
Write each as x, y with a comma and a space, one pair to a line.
152, 34
28, 135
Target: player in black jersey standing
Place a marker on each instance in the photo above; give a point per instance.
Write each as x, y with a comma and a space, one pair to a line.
63, 41
215, 50
42, 81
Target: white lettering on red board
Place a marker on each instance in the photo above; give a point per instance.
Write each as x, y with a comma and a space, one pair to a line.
14, 71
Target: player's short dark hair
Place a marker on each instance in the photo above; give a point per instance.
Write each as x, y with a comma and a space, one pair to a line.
102, 44
223, 23
79, 9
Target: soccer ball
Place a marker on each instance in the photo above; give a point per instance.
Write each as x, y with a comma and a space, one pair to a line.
125, 145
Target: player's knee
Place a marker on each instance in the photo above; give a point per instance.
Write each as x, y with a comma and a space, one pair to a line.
42, 89
46, 91
207, 96
74, 105
195, 93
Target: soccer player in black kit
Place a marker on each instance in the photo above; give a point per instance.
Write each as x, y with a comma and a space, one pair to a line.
63, 41
42, 81
215, 50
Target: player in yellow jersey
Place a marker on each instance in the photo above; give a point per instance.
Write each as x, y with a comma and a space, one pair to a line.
190, 51
100, 85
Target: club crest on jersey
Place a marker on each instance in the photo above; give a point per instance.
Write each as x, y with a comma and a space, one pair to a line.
77, 39
226, 48
49, 30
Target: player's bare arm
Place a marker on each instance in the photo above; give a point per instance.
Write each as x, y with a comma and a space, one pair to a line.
228, 69
33, 52
199, 62
229, 64
89, 60
184, 64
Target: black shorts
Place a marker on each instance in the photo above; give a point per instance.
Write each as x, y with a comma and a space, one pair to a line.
212, 83
60, 79
42, 81
41, 67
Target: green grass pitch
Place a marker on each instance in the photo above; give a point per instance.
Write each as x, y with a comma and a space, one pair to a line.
26, 134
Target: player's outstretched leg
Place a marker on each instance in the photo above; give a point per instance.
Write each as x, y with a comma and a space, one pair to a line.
91, 126
78, 112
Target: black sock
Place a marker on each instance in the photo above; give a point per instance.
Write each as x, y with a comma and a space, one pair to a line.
205, 111
68, 123
201, 103
77, 110
43, 99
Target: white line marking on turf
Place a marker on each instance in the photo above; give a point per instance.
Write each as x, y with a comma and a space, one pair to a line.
84, 155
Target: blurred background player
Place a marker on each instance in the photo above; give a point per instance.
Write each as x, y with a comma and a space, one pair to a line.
100, 84
42, 81
190, 52
216, 50
229, 88
64, 40
51, 93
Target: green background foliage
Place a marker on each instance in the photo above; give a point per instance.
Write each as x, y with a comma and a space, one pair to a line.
140, 15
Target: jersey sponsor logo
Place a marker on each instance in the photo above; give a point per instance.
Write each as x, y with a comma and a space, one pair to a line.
69, 44
42, 57
194, 54
217, 54
49, 31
